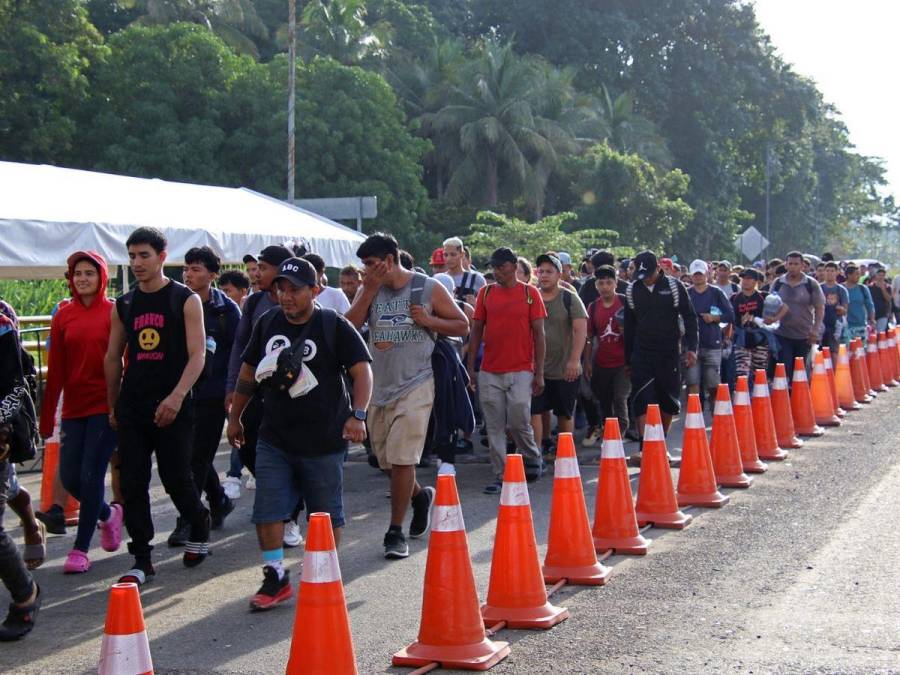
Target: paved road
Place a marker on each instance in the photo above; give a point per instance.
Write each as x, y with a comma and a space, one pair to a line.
798, 574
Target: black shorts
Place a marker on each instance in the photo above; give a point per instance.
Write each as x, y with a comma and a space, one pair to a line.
655, 378
558, 396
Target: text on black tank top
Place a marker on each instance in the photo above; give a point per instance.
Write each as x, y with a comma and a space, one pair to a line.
157, 346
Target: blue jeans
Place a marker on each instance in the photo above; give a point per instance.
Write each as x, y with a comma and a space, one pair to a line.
85, 446
282, 478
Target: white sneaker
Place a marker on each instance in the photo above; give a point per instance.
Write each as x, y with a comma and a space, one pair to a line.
591, 438
232, 487
292, 536
251, 482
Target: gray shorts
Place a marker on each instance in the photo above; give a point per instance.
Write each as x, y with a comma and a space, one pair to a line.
706, 370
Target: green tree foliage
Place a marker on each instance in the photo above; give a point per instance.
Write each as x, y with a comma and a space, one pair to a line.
339, 29
492, 230
46, 50
630, 196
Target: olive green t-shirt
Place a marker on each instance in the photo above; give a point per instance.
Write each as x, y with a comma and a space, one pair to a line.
558, 333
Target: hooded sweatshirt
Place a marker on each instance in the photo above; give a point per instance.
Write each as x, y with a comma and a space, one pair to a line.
79, 335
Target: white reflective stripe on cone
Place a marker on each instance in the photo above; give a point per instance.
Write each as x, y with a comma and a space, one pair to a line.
829, 365
800, 375
563, 467
871, 348
843, 359
654, 432
779, 383
819, 369
760, 391
447, 519
694, 421
612, 450
125, 655
741, 398
514, 494
722, 408
320, 567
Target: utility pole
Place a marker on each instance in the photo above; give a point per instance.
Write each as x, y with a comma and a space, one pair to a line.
292, 87
768, 188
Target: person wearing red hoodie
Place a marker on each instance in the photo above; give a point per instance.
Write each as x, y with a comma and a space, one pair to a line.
79, 334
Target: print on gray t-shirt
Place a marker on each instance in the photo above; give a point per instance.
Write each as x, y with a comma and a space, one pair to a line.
401, 349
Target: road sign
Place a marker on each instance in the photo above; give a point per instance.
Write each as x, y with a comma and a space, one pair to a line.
751, 242
342, 208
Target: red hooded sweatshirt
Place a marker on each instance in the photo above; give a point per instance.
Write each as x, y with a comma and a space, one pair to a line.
79, 335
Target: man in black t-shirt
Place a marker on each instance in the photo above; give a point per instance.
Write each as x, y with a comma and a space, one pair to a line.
297, 355
159, 326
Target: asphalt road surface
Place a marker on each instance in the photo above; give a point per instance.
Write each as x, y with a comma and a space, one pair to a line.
800, 573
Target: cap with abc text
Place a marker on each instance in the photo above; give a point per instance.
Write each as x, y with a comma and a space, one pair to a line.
645, 265
298, 271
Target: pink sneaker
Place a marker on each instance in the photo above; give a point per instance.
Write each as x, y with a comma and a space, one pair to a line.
111, 529
76, 562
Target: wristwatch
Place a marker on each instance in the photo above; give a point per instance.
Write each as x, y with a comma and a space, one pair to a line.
360, 415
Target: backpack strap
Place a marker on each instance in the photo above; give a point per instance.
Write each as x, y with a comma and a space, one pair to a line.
673, 287
629, 296
567, 302
418, 288
329, 327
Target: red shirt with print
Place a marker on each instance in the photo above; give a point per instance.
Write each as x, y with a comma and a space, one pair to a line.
507, 314
606, 326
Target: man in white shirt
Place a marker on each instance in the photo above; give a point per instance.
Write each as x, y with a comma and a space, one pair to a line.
467, 283
332, 298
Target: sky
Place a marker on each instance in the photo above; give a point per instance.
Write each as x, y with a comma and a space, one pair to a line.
851, 49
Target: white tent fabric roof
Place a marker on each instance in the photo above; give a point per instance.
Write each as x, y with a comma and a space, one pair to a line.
46, 212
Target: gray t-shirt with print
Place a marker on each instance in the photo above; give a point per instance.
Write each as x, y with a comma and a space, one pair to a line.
401, 349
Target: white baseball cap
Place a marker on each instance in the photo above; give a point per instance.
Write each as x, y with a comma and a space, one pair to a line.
699, 267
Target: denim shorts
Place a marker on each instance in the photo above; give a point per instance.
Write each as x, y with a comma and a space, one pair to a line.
281, 479
706, 370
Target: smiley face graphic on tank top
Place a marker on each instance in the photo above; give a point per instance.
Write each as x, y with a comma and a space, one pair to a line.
148, 327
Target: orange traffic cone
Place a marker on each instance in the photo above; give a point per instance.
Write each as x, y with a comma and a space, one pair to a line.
844, 381
322, 642
743, 420
48, 476
801, 403
615, 524
781, 410
832, 384
125, 649
723, 444
516, 592
858, 372
823, 408
763, 420
697, 478
887, 364
864, 361
570, 545
873, 364
451, 631
893, 342
656, 501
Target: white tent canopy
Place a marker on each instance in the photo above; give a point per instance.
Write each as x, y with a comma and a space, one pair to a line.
46, 212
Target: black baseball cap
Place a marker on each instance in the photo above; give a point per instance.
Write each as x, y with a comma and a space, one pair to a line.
751, 272
547, 258
298, 271
645, 265
502, 255
274, 255
249, 258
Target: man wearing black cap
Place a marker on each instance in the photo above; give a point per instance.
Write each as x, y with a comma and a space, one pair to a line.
509, 317
296, 355
252, 268
257, 304
657, 312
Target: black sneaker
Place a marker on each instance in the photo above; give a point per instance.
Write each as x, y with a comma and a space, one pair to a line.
54, 519
273, 591
494, 488
180, 534
421, 519
142, 573
196, 549
217, 516
20, 620
534, 470
395, 545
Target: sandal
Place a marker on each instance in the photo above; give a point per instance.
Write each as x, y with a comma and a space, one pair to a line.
20, 620
34, 554
77, 562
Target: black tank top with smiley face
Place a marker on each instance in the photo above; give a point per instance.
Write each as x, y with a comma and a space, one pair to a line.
157, 344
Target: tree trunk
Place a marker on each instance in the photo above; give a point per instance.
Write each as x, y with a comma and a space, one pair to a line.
492, 197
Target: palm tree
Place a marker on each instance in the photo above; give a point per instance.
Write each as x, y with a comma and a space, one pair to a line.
630, 132
499, 133
338, 28
235, 21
